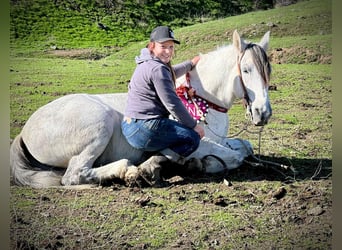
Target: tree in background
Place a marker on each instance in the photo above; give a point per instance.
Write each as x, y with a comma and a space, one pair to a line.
84, 23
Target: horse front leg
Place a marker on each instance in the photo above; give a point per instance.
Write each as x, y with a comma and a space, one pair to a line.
210, 151
243, 146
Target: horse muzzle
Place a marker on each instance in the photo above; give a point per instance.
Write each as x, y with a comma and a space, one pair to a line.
260, 116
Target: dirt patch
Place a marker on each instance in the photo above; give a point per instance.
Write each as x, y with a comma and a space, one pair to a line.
248, 208
88, 54
298, 55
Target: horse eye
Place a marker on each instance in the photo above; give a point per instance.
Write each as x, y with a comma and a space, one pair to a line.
245, 71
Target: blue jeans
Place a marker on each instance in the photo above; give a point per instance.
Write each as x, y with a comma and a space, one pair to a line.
160, 133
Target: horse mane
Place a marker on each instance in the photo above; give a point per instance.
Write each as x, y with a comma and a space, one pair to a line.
259, 56
261, 60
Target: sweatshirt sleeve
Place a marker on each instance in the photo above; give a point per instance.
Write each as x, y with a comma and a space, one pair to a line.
182, 68
166, 91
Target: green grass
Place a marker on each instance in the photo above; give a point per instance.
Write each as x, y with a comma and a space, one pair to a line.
36, 80
298, 134
37, 77
109, 221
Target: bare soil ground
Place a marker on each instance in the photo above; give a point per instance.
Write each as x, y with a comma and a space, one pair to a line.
247, 208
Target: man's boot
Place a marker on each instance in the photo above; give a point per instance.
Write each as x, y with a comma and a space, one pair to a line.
150, 170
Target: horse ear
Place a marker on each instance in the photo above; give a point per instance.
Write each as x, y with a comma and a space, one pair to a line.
239, 43
265, 40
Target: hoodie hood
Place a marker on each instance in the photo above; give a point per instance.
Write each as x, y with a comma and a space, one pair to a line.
145, 55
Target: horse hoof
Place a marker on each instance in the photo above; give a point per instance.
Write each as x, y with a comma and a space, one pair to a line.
131, 176
70, 181
150, 169
194, 165
148, 177
212, 165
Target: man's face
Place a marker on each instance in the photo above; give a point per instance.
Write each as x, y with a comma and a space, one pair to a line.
164, 51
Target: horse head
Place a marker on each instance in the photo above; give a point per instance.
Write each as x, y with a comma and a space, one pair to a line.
252, 80
240, 70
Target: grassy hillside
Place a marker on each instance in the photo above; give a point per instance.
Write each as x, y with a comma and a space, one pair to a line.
300, 33
306, 25
112, 23
201, 213
306, 18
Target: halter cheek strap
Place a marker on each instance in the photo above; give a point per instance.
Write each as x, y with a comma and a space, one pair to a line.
246, 100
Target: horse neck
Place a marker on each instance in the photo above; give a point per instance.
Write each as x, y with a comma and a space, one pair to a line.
213, 77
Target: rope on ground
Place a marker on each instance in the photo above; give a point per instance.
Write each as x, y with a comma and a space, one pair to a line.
259, 162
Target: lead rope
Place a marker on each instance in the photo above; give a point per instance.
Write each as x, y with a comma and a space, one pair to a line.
259, 162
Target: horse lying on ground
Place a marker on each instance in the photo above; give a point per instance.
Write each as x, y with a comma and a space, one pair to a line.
77, 139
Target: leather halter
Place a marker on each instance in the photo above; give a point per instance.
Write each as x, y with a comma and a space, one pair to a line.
246, 100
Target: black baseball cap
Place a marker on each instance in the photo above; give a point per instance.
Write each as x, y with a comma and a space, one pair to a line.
162, 34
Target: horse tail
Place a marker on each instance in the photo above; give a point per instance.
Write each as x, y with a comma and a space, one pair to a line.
27, 171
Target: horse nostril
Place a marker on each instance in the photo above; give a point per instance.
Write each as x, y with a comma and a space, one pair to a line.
258, 113
260, 117
260, 123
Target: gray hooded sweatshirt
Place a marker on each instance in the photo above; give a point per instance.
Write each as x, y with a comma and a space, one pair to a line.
151, 91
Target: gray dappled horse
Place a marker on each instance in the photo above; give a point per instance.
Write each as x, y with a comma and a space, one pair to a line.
77, 139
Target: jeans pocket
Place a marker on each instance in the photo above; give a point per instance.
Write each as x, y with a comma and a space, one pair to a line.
129, 129
152, 124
